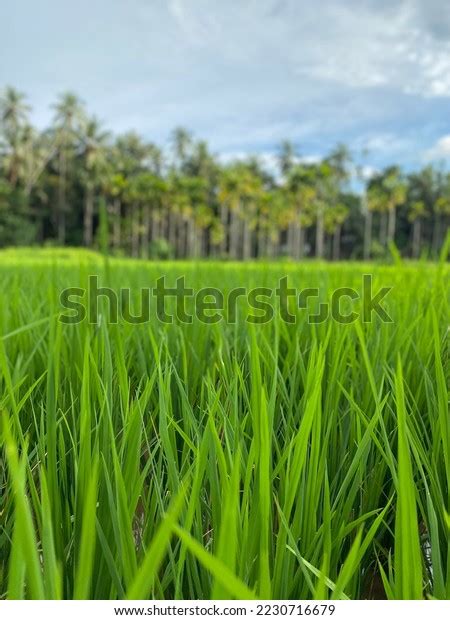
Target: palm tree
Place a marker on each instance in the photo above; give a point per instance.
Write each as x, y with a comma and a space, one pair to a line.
334, 218
376, 203
132, 154
229, 200
115, 187
364, 178
13, 119
367, 212
94, 156
240, 189
196, 213
271, 218
200, 163
395, 196
136, 159
18, 157
131, 199
180, 211
301, 192
386, 192
181, 145
13, 110
150, 191
442, 213
336, 181
286, 157
69, 114
320, 226
325, 198
417, 211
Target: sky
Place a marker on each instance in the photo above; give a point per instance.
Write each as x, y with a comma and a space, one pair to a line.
245, 74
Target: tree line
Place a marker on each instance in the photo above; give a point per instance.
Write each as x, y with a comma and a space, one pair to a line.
76, 184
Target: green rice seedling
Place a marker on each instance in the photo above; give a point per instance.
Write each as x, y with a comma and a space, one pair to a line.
225, 459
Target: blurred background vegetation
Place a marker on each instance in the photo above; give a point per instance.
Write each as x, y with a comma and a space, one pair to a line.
76, 184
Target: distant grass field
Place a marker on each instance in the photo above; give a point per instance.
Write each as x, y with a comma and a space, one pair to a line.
198, 461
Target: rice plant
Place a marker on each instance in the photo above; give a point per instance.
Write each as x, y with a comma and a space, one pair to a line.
228, 460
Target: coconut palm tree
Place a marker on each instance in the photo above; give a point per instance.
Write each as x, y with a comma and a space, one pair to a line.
14, 110
229, 200
367, 213
395, 192
150, 191
272, 218
442, 214
201, 164
325, 197
240, 189
301, 194
334, 219
69, 114
115, 187
336, 212
94, 142
386, 192
417, 211
181, 146
13, 121
286, 157
376, 204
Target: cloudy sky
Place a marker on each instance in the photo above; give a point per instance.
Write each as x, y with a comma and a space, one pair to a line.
245, 74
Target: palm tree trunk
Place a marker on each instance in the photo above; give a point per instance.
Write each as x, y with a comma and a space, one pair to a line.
290, 240
190, 238
155, 226
416, 238
172, 232
14, 175
301, 242
180, 228
436, 235
246, 240
383, 228
261, 250
116, 224
234, 235
272, 243
319, 236
88, 217
61, 227
337, 243
297, 236
295, 240
61, 216
367, 234
135, 231
224, 222
145, 234
391, 225
204, 243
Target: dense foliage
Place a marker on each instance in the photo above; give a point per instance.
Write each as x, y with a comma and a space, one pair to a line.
55, 185
229, 460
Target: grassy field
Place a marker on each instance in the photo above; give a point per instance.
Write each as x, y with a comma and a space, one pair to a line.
226, 460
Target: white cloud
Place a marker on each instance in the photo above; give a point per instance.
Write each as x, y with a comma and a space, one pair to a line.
268, 161
366, 172
353, 45
384, 143
440, 150
243, 74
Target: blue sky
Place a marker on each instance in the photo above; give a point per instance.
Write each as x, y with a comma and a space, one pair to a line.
245, 74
